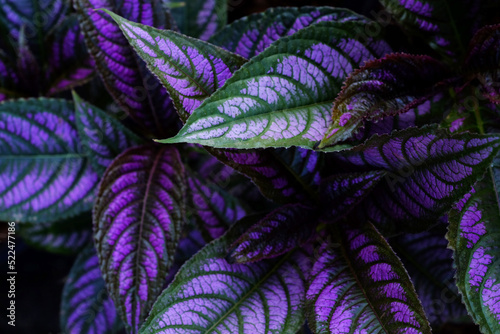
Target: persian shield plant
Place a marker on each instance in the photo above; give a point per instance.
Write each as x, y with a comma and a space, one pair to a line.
295, 171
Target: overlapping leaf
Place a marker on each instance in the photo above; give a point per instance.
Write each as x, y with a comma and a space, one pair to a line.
66, 236
362, 286
427, 171
429, 264
190, 69
125, 76
102, 136
137, 222
44, 174
199, 18
86, 307
473, 235
282, 96
211, 295
484, 61
252, 34
384, 87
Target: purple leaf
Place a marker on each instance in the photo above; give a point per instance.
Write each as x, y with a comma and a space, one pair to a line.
279, 232
213, 208
102, 136
86, 307
384, 87
361, 286
44, 174
137, 223
211, 295
125, 76
484, 61
250, 35
340, 193
473, 236
427, 171
199, 18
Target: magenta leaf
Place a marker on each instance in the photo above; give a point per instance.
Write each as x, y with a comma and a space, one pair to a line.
473, 236
282, 97
67, 236
44, 174
384, 87
210, 295
190, 69
484, 61
86, 307
137, 224
125, 76
358, 284
279, 232
427, 171
102, 136
199, 18
252, 34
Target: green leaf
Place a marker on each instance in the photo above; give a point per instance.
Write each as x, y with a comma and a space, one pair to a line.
283, 96
199, 18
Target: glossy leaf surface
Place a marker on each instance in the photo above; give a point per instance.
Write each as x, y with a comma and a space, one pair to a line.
252, 34
103, 137
137, 222
211, 295
86, 307
44, 174
384, 87
199, 18
282, 96
361, 285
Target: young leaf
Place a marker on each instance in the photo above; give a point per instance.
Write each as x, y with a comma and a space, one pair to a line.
383, 87
252, 34
85, 306
213, 208
340, 193
102, 136
282, 96
277, 233
427, 171
66, 236
484, 61
429, 264
137, 223
210, 295
199, 18
125, 76
362, 286
44, 174
473, 235
190, 69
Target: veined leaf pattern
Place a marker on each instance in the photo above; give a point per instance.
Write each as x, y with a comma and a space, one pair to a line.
199, 18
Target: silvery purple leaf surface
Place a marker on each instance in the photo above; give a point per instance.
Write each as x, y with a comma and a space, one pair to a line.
190, 69
199, 18
358, 284
250, 35
44, 173
213, 208
383, 87
282, 97
125, 76
280, 231
429, 263
427, 171
67, 236
473, 235
340, 193
103, 137
483, 60
86, 307
210, 295
137, 224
